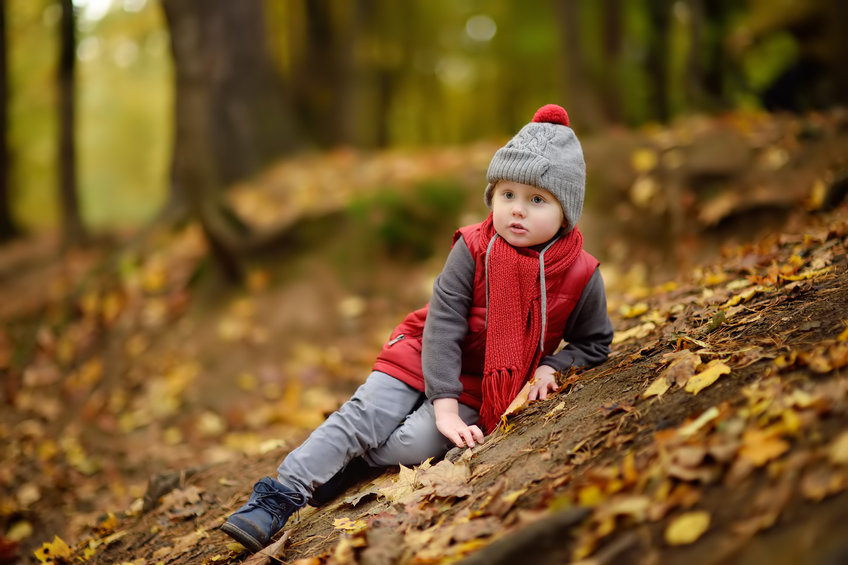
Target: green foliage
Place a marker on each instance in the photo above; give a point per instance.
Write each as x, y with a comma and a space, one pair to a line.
124, 98
405, 223
401, 73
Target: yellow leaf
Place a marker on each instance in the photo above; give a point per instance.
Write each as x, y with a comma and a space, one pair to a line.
808, 274
760, 447
236, 547
590, 496
636, 332
644, 160
838, 451
705, 418
55, 551
745, 296
844, 335
628, 311
657, 388
687, 528
815, 199
402, 486
19, 531
349, 526
519, 402
708, 376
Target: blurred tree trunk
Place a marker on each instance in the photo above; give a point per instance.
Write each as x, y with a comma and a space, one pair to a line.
231, 117
709, 68
659, 15
323, 75
612, 53
8, 230
73, 231
583, 97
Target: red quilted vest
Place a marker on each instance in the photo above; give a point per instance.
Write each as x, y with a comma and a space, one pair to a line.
401, 354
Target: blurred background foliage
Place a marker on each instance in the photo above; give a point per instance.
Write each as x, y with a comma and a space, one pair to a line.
372, 74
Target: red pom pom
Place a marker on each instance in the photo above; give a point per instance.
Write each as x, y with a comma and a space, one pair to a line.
551, 113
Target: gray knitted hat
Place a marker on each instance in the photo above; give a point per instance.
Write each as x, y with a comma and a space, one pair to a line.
545, 153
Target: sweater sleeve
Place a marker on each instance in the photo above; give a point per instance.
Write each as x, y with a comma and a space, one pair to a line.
447, 324
588, 332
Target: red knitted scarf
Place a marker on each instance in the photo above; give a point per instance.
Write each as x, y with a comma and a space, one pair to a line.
514, 315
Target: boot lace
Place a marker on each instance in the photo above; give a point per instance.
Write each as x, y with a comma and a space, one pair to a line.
277, 503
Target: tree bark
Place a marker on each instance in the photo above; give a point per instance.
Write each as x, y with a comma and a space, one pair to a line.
8, 229
73, 231
659, 13
196, 174
232, 116
583, 97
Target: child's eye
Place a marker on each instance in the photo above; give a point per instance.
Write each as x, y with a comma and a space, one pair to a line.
537, 200
507, 194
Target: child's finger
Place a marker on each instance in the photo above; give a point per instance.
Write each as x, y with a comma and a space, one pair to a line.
477, 433
466, 436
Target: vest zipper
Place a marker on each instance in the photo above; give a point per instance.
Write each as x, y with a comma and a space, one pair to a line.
395, 340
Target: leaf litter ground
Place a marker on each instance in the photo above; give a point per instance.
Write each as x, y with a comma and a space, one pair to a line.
751, 463
715, 432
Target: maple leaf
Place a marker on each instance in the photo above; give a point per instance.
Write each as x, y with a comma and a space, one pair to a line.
401, 486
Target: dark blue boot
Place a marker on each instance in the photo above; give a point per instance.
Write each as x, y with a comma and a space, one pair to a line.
265, 514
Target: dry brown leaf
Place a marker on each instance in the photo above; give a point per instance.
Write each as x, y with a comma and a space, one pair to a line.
821, 482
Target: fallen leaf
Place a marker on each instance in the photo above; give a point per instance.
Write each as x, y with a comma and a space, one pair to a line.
808, 274
705, 418
682, 368
821, 482
349, 526
55, 551
401, 486
636, 332
687, 528
837, 453
631, 311
708, 376
519, 402
745, 296
657, 388
760, 447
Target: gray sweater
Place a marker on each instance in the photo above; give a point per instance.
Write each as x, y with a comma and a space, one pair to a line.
588, 332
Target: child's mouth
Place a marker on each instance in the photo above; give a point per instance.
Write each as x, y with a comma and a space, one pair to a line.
517, 228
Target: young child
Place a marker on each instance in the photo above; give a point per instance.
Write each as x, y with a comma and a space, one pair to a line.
512, 288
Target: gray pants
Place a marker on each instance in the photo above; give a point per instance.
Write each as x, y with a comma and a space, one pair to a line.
386, 421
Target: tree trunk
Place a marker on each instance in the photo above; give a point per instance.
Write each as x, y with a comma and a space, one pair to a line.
611, 80
659, 13
323, 77
8, 229
582, 96
231, 116
73, 230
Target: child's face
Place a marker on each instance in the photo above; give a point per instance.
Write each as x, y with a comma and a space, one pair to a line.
525, 215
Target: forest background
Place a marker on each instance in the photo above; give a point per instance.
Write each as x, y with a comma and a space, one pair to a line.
212, 211
374, 74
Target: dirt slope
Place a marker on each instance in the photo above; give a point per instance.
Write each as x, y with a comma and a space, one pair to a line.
743, 459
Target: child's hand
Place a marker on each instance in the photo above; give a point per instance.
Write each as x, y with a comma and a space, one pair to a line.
544, 381
451, 425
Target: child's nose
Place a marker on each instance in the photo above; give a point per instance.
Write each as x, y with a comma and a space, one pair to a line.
517, 208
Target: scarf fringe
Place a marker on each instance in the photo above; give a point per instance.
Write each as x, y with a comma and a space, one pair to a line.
500, 387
